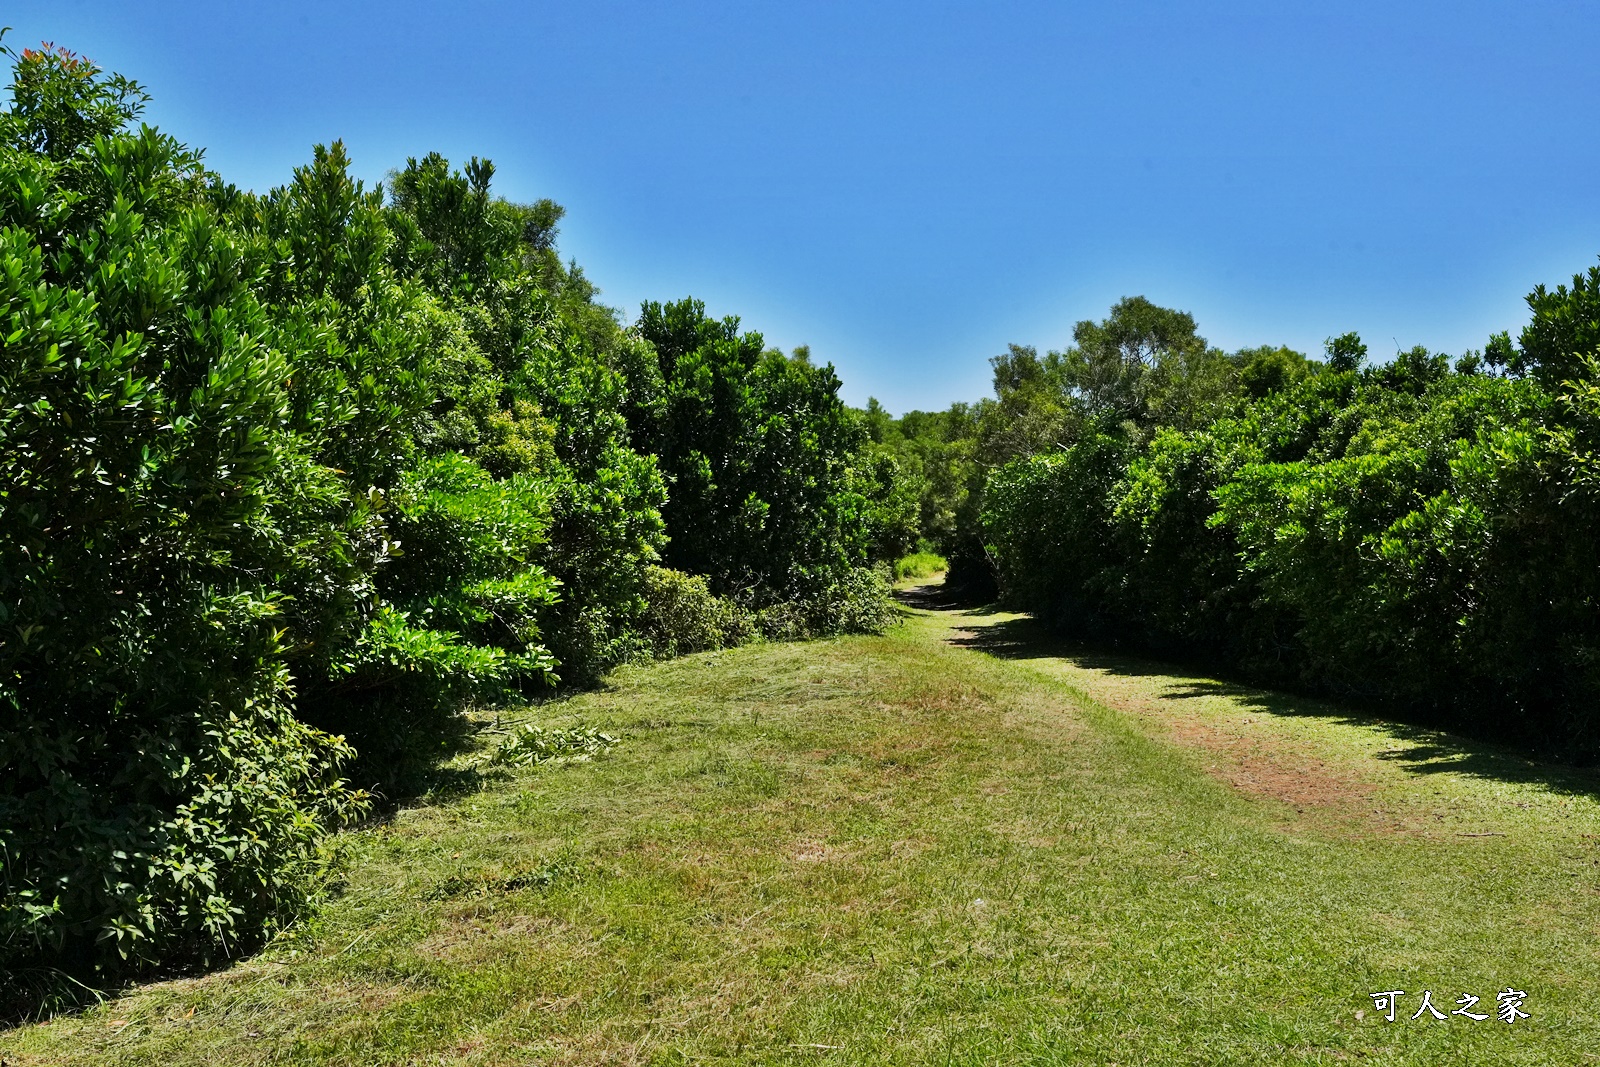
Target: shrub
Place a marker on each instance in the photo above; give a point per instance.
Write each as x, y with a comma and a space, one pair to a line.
532, 744
1402, 534
858, 603
682, 616
759, 451
1049, 521
540, 378
158, 800
458, 618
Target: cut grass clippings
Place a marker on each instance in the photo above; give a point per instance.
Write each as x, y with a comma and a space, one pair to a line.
952, 844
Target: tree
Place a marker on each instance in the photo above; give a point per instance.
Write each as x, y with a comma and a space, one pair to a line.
543, 383
1270, 369
1113, 362
757, 449
1345, 352
158, 797
1034, 410
1564, 332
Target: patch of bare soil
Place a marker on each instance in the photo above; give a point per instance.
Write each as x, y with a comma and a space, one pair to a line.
1245, 749
1245, 754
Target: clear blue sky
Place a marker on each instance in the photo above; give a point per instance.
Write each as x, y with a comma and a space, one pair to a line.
908, 187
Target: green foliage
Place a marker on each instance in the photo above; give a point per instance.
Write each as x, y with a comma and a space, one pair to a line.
1034, 409
532, 744
1048, 519
1141, 368
417, 580
271, 466
919, 565
856, 603
1345, 352
891, 488
941, 448
289, 472
1270, 369
1145, 362
758, 450
682, 615
1564, 332
158, 799
539, 383
1402, 534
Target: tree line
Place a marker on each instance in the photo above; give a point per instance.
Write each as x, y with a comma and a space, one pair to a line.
1419, 535
288, 478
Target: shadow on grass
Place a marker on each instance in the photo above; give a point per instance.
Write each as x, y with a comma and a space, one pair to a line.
937, 597
1420, 748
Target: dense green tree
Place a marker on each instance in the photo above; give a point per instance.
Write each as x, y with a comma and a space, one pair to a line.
546, 381
1563, 333
943, 446
1140, 368
1271, 369
1346, 352
1114, 364
317, 460
757, 449
268, 462
1034, 409
158, 798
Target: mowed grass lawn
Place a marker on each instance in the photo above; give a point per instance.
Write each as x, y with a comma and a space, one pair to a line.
952, 844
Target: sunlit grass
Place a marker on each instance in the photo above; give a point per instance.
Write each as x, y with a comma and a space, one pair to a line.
902, 850
919, 565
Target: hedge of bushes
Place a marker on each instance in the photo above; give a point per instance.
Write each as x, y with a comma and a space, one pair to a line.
285, 478
1408, 534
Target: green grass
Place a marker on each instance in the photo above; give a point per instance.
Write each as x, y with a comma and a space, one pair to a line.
920, 565
955, 844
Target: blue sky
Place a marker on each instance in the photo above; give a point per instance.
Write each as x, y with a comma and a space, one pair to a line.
909, 187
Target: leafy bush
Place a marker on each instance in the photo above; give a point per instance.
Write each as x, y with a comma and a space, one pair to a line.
682, 616
758, 450
858, 603
458, 618
891, 486
240, 503
1049, 522
287, 478
158, 799
541, 379
532, 744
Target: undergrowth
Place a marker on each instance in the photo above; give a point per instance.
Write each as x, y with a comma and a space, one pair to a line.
919, 565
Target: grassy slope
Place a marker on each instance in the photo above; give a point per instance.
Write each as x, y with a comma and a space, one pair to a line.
900, 850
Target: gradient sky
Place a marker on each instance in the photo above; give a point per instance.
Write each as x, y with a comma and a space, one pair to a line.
909, 187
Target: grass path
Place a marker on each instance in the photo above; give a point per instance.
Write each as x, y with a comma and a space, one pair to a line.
953, 844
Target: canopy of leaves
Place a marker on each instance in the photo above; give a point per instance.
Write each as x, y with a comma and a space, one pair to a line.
287, 478
757, 449
1401, 533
